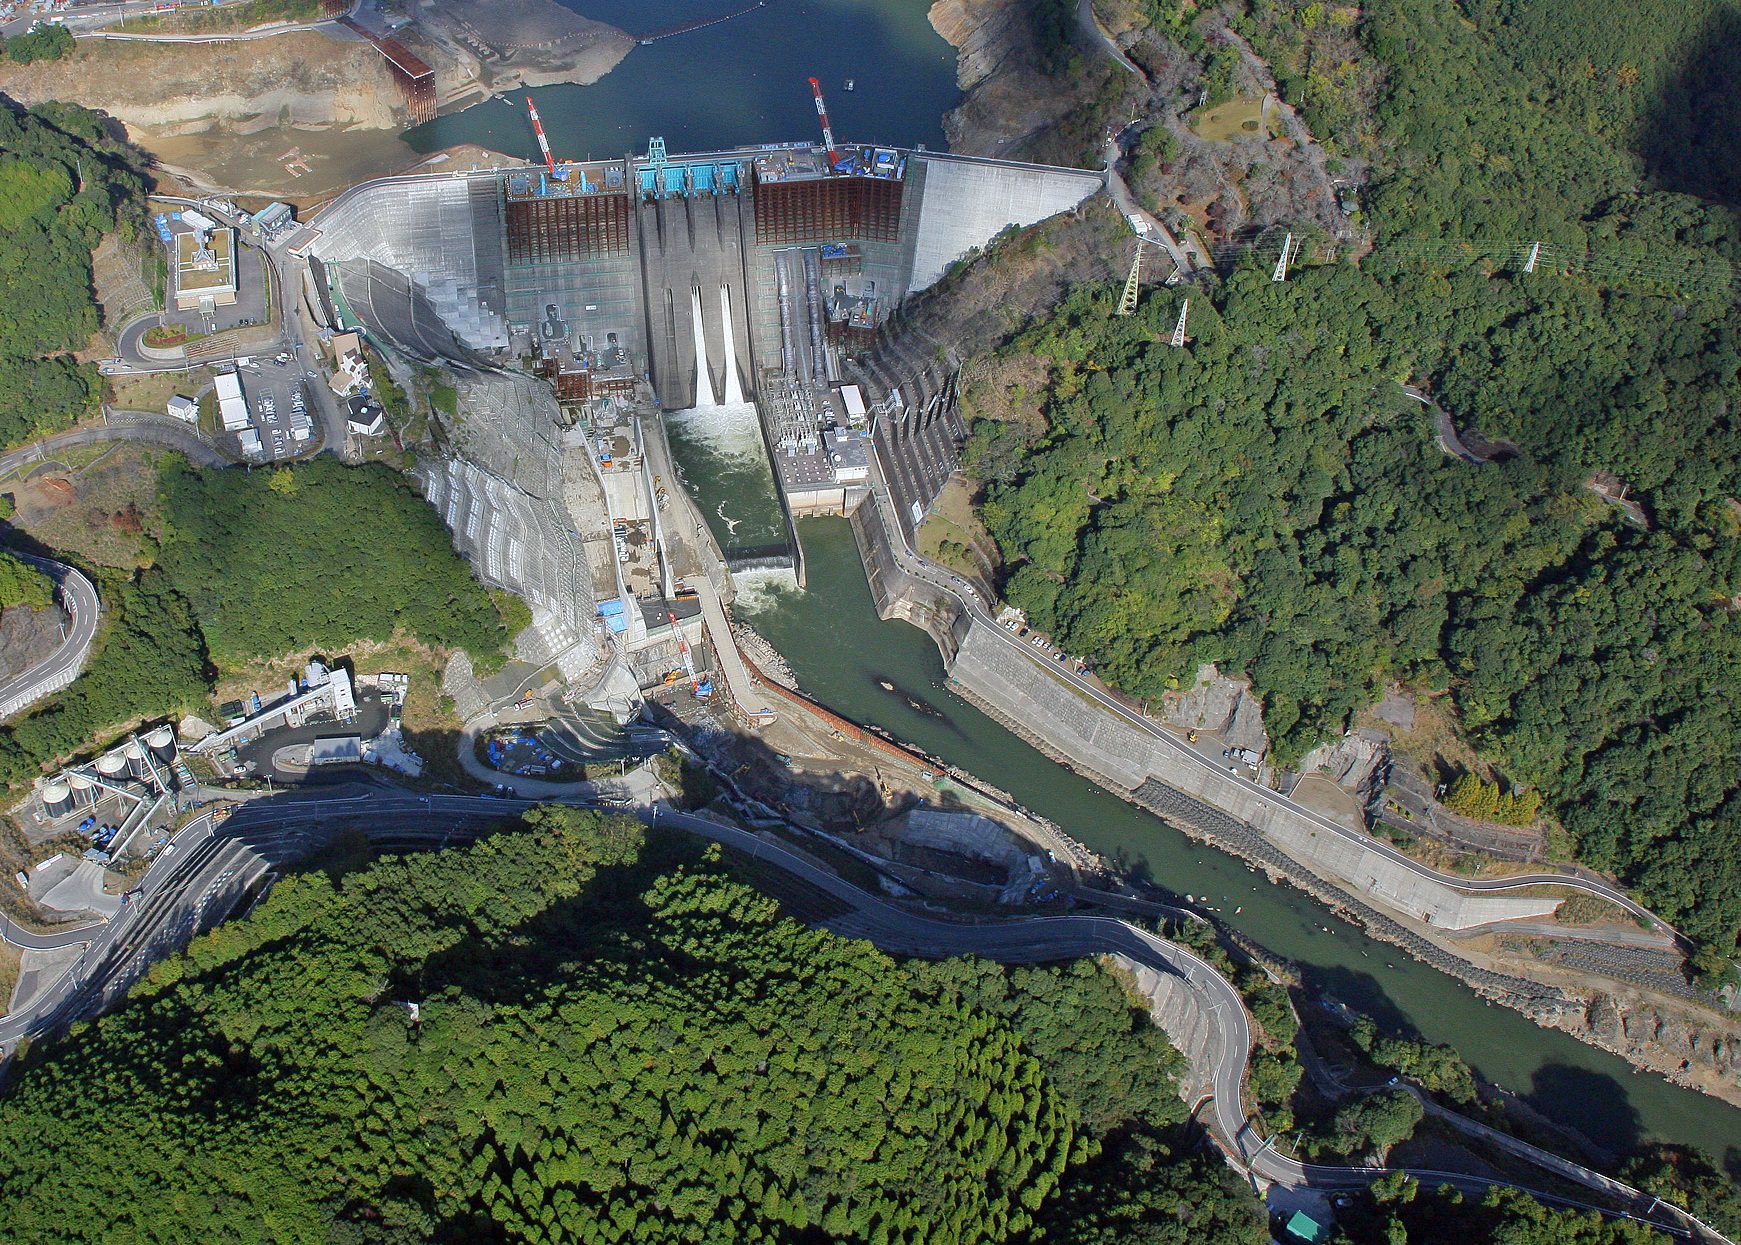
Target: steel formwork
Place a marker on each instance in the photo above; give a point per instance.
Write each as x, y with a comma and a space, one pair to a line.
828, 209
546, 230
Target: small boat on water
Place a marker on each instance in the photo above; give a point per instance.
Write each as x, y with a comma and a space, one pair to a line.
885, 685
851, 85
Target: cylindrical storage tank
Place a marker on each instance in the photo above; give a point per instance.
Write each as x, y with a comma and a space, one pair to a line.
57, 798
136, 763
111, 767
162, 744
83, 792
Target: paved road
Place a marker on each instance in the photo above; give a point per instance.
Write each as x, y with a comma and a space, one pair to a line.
140, 427
93, 18
208, 872
78, 597
1089, 20
979, 608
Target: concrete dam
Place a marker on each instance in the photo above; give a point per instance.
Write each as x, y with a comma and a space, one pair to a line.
743, 293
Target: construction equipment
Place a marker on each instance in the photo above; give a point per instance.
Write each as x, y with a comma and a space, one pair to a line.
557, 173
702, 687
827, 130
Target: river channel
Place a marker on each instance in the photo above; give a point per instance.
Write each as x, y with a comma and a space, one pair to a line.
839, 650
743, 81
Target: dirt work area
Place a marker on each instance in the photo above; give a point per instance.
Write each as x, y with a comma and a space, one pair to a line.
159, 89
523, 42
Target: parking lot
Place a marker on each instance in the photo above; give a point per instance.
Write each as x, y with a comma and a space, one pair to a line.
277, 393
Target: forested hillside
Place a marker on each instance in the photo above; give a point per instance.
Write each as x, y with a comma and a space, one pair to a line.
322, 556
618, 1042
257, 565
63, 185
1270, 499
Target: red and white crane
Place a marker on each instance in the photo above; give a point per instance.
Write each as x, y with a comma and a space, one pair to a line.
827, 130
543, 143
701, 687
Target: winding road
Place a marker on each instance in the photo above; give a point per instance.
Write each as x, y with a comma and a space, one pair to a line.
206, 873
78, 597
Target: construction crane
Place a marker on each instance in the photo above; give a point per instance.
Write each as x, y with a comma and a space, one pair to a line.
827, 130
557, 172
702, 688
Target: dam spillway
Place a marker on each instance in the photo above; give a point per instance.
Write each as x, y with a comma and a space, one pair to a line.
746, 289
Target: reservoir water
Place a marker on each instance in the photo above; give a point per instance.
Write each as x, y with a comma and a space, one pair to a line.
743, 81
840, 650
740, 82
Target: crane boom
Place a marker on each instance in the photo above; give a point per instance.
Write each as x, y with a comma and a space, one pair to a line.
543, 143
700, 686
827, 130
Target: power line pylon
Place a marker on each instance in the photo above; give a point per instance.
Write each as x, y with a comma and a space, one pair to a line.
1535, 253
1281, 272
1179, 328
1127, 301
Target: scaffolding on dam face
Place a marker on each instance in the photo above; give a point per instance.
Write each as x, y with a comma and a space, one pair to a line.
410, 73
544, 230
583, 211
800, 198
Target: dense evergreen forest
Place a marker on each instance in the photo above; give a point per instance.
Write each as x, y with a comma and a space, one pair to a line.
1270, 499
63, 184
321, 555
618, 1041
255, 565
22, 584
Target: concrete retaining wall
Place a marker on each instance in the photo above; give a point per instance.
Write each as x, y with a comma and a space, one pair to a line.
1103, 743
968, 202
897, 594
1180, 1013
24, 699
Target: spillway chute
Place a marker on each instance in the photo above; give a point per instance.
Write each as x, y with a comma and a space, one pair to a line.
734, 393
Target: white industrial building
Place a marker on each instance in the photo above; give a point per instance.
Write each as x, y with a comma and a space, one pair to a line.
323, 692
232, 406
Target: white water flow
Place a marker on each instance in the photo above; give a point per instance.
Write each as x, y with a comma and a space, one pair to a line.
734, 393
704, 394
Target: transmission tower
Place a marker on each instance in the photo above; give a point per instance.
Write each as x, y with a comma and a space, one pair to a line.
1535, 253
1127, 301
1281, 272
1179, 328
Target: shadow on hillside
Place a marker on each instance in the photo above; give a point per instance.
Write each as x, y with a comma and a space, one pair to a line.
1689, 136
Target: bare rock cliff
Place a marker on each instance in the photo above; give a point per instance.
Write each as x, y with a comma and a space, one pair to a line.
1688, 1047
1008, 99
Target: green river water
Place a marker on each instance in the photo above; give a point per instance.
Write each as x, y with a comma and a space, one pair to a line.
744, 82
839, 650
